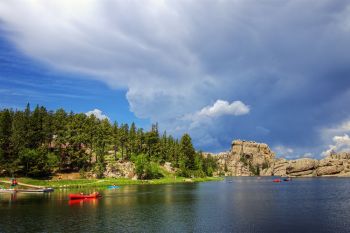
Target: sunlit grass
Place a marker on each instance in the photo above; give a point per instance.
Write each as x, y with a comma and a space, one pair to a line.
79, 183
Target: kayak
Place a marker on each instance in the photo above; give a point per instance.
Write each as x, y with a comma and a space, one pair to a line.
286, 179
277, 180
84, 196
113, 187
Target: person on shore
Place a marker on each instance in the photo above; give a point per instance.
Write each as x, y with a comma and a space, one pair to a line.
14, 182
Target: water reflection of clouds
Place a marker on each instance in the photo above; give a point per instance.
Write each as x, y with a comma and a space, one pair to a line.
245, 205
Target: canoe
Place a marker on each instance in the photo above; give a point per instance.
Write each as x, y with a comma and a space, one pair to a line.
84, 196
277, 180
82, 201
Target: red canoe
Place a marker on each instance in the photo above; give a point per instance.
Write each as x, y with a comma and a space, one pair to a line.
277, 180
84, 196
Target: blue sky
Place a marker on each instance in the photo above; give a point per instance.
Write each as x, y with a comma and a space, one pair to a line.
271, 71
24, 80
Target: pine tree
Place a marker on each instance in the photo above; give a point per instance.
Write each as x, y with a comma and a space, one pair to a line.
187, 156
6, 155
115, 139
38, 142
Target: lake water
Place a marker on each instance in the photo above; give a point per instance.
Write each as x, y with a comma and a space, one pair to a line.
244, 204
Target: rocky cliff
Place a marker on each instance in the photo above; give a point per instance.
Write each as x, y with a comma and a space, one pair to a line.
245, 159
251, 158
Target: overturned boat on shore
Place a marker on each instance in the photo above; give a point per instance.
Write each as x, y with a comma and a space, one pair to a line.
42, 190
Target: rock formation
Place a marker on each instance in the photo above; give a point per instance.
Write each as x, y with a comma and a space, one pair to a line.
120, 169
245, 159
251, 158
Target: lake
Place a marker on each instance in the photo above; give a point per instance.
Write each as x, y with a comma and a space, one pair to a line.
240, 204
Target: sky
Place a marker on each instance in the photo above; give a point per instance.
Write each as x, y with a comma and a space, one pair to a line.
272, 71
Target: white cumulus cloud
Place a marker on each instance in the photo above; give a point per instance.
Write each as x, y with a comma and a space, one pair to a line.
337, 138
218, 109
339, 129
98, 114
222, 107
340, 144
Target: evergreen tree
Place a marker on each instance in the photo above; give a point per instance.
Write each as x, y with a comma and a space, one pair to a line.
39, 142
5, 138
115, 139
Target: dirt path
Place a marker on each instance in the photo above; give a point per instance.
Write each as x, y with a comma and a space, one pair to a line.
23, 184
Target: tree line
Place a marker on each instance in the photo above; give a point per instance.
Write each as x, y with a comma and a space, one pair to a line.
38, 143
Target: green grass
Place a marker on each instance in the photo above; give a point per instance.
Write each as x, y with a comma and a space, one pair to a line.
80, 183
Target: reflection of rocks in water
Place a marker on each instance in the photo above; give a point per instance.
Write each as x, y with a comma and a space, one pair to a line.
251, 158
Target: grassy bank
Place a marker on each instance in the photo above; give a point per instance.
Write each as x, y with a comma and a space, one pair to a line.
79, 183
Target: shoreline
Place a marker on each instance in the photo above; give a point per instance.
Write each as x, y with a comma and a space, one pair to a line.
98, 183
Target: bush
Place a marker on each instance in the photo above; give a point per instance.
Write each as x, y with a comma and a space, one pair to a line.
146, 169
37, 162
190, 173
244, 160
99, 170
265, 165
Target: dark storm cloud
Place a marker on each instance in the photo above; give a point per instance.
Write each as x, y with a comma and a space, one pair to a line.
287, 60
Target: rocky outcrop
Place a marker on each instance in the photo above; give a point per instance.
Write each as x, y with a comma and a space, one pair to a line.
301, 167
334, 164
331, 165
329, 170
120, 169
248, 158
169, 168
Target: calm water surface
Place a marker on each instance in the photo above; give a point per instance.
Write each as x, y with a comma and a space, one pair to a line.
234, 205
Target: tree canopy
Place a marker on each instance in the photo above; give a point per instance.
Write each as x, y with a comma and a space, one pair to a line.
39, 143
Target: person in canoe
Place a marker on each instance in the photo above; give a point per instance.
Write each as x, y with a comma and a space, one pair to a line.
97, 194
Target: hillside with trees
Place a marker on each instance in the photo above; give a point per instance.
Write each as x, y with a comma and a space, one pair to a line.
39, 143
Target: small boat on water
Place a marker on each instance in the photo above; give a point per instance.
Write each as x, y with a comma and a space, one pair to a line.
287, 179
82, 201
276, 180
84, 196
113, 187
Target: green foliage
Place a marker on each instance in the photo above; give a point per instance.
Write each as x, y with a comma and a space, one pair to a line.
187, 153
210, 165
254, 170
265, 165
99, 169
39, 142
146, 169
244, 160
37, 162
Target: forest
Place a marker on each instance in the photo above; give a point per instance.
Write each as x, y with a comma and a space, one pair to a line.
39, 143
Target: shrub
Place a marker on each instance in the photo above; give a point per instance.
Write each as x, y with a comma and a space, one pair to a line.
99, 169
37, 162
146, 169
